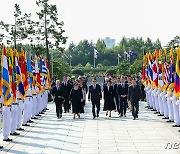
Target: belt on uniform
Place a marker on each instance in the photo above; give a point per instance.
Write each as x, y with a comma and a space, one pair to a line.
19, 99
34, 94
7, 105
28, 96
14, 103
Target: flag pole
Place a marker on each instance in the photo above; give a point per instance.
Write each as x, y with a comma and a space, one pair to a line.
52, 64
94, 62
129, 63
118, 59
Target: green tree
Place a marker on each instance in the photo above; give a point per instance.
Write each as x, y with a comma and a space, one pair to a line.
123, 68
49, 28
61, 68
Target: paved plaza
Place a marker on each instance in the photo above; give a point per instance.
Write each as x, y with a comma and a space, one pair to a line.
105, 135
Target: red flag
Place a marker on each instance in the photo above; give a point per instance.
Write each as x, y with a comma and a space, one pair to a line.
24, 70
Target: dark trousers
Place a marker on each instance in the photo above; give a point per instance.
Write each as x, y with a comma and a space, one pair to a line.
95, 103
117, 104
66, 104
123, 105
135, 108
58, 108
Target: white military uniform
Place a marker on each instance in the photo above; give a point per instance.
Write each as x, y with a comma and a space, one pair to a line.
153, 98
165, 105
14, 110
34, 102
20, 110
176, 111
6, 121
170, 106
157, 100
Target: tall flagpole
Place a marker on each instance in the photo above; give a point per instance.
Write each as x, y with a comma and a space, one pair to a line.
129, 63
52, 64
94, 62
118, 59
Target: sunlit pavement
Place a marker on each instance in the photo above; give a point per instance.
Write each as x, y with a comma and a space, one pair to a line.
104, 135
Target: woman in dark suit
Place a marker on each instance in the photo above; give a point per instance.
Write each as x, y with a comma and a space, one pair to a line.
76, 98
109, 104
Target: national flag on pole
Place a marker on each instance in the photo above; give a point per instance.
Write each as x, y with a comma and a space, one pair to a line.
34, 73
38, 80
177, 77
160, 76
48, 80
6, 85
155, 70
150, 71
132, 54
171, 68
29, 69
24, 70
11, 74
165, 71
20, 84
95, 53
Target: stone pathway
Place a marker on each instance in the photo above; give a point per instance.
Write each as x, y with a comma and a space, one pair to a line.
105, 135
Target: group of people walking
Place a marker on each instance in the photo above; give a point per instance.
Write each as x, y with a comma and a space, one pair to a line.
116, 92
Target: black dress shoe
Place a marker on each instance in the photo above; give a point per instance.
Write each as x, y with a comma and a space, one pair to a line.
169, 121
15, 133
160, 115
165, 118
7, 140
175, 125
42, 113
25, 125
178, 130
97, 115
30, 121
35, 118
153, 110
94, 117
46, 109
60, 116
134, 118
1, 147
156, 112
20, 128
38, 115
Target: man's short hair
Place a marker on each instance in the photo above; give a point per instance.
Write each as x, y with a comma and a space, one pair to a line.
57, 81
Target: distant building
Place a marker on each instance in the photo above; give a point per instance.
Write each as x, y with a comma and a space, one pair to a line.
109, 42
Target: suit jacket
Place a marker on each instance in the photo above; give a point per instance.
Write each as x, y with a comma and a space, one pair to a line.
108, 94
134, 94
95, 94
123, 90
115, 88
67, 89
58, 94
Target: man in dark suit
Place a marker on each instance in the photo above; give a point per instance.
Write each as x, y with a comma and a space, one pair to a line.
116, 94
67, 89
134, 95
58, 97
95, 96
123, 93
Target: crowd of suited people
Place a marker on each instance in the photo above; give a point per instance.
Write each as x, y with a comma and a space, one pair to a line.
119, 94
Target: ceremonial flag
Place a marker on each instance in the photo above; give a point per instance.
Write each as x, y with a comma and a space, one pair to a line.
155, 70
95, 53
20, 84
29, 69
132, 54
160, 76
165, 71
23, 70
48, 75
150, 71
38, 80
34, 73
177, 77
171, 68
11, 74
5, 79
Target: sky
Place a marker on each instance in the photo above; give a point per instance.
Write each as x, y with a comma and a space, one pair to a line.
93, 19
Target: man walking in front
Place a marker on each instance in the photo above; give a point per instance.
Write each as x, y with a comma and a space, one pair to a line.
95, 96
134, 95
58, 97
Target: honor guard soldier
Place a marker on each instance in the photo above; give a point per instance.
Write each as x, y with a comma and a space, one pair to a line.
1, 117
